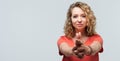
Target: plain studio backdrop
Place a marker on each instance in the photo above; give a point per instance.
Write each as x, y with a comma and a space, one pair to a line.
29, 29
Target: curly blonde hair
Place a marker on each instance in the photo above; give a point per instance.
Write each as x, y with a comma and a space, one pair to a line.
69, 30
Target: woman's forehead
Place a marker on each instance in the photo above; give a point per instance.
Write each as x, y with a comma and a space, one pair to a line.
77, 10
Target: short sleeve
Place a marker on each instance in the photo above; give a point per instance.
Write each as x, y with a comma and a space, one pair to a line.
60, 40
98, 38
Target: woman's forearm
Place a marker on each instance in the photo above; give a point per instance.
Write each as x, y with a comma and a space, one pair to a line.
95, 46
65, 49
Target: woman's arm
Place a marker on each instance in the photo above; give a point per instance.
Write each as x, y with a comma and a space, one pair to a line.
65, 49
95, 46
92, 49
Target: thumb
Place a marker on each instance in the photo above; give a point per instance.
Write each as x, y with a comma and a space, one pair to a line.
78, 35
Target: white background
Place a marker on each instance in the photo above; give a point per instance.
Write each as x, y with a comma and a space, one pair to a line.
29, 29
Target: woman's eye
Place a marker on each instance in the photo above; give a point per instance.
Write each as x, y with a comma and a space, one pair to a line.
75, 16
84, 16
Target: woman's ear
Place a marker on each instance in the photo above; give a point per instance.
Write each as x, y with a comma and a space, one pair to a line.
87, 23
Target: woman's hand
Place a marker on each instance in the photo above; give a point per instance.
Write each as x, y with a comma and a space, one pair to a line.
78, 35
80, 50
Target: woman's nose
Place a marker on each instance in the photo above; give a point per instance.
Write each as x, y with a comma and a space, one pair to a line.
79, 19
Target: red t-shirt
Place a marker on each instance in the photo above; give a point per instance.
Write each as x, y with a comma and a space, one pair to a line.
70, 43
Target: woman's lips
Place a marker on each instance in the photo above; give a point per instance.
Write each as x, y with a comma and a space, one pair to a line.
79, 25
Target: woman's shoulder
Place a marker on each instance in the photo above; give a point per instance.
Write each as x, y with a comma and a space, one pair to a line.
95, 35
63, 37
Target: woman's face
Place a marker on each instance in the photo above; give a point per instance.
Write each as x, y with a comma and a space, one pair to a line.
79, 20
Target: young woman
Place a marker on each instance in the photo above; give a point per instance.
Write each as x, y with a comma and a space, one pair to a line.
81, 42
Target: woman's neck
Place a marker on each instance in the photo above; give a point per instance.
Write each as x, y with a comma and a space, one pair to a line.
82, 32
